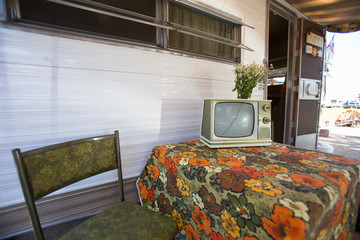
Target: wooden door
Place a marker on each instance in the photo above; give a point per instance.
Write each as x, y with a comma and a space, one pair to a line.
309, 73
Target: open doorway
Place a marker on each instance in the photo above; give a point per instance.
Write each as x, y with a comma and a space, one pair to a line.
340, 107
277, 78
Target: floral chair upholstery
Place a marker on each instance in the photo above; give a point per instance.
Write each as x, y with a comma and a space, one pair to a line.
45, 170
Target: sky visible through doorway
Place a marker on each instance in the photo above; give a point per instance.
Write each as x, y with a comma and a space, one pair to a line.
344, 83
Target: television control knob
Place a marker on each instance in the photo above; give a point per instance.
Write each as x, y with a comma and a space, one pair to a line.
266, 120
266, 107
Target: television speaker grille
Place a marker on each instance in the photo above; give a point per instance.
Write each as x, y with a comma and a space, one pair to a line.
264, 133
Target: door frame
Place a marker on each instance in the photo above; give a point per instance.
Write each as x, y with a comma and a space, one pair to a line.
290, 104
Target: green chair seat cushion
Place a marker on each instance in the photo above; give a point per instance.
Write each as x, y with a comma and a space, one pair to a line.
126, 220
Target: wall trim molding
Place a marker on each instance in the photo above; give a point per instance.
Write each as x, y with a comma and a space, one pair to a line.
67, 206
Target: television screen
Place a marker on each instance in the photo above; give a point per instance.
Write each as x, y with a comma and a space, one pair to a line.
234, 119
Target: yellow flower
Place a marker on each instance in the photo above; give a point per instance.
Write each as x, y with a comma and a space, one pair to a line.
184, 189
346, 213
264, 187
229, 224
188, 155
276, 168
322, 235
177, 217
226, 151
314, 163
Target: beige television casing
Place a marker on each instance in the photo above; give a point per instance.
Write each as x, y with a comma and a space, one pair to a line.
261, 135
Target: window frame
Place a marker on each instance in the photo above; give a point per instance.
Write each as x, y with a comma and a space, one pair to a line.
206, 10
161, 22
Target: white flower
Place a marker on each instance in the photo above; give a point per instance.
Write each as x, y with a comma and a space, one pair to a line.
284, 177
323, 158
184, 161
299, 208
197, 200
155, 208
211, 169
240, 157
169, 146
163, 177
342, 171
338, 230
332, 196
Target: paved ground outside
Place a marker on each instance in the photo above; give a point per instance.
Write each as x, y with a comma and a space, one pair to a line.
344, 140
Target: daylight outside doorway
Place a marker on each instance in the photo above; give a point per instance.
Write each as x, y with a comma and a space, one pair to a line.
340, 105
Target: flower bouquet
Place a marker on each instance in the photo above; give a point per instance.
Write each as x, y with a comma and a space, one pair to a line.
247, 76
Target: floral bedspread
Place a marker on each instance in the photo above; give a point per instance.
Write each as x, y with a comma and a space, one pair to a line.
274, 192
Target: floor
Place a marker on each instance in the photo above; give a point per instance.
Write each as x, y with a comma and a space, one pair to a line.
51, 232
344, 140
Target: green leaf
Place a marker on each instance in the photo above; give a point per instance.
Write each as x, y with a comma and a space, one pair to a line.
233, 212
255, 219
250, 225
234, 201
242, 200
241, 223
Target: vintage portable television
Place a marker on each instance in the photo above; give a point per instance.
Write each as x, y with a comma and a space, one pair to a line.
236, 123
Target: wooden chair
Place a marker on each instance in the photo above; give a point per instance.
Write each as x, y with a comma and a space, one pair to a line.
45, 170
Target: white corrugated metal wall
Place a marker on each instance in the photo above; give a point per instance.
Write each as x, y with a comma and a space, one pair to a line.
54, 89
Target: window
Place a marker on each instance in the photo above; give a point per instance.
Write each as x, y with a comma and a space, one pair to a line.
84, 18
169, 24
209, 28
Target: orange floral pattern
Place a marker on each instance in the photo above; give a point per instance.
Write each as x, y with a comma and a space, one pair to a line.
199, 162
343, 160
191, 233
252, 193
307, 180
337, 178
160, 153
231, 161
143, 191
250, 238
202, 222
283, 225
254, 149
153, 171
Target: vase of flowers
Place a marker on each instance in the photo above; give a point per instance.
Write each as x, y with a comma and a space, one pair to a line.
247, 76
